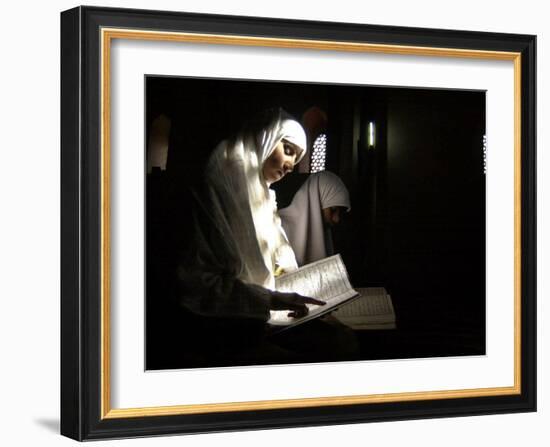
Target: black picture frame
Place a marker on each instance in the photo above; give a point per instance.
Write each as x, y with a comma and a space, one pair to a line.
85, 410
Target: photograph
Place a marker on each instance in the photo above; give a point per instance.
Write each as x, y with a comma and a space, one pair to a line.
273, 223
291, 222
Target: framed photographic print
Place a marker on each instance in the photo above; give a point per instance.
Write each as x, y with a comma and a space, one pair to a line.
277, 223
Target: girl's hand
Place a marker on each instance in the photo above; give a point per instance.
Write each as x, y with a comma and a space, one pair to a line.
294, 302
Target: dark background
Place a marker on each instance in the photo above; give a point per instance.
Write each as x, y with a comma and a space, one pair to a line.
417, 224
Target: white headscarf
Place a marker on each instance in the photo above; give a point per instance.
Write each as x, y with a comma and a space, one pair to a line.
248, 216
302, 220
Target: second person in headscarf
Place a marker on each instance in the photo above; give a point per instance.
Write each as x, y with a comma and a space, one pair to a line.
316, 207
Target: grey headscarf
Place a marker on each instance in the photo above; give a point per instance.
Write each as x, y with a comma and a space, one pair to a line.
303, 222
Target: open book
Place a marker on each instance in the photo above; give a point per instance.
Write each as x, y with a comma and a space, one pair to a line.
372, 310
326, 280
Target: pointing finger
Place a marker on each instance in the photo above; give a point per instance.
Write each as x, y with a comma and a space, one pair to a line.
309, 300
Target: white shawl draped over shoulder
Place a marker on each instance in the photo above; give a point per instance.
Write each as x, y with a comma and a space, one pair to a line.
249, 215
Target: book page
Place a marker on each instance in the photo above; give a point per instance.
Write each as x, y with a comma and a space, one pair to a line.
373, 308
326, 280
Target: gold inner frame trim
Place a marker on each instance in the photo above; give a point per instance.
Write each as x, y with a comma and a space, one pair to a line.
105, 225
107, 34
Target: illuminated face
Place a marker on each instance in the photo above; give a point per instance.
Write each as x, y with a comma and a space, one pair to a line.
280, 162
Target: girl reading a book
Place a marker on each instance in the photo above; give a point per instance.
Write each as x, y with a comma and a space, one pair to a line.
239, 243
227, 279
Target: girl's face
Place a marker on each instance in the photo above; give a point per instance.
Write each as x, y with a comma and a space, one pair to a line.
280, 162
331, 216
